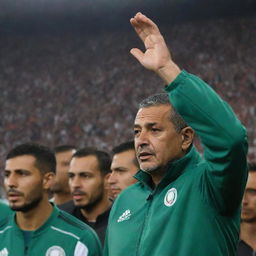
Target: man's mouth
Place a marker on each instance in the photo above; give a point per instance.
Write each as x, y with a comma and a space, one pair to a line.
115, 190
13, 196
78, 195
246, 211
143, 156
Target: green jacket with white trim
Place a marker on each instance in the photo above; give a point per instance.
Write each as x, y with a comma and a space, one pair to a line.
195, 209
61, 235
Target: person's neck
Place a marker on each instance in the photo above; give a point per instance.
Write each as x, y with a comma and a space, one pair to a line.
61, 198
157, 175
34, 218
248, 233
92, 214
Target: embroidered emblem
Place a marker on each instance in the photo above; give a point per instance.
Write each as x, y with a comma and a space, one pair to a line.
170, 197
125, 216
4, 252
55, 251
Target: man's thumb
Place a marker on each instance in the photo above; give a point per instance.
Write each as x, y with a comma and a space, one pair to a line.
138, 54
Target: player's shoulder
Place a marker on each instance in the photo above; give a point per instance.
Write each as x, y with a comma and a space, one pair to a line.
131, 190
6, 222
66, 219
69, 223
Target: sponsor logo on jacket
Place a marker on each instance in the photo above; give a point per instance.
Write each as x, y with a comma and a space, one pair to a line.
125, 216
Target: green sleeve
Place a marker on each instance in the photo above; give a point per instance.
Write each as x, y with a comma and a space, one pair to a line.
92, 243
223, 138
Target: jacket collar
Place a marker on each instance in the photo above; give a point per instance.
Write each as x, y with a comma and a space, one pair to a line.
45, 225
174, 170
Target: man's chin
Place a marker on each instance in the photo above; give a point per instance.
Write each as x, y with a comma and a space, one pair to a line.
148, 168
80, 204
21, 208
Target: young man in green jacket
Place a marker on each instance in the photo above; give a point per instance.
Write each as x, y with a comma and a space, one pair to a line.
37, 227
183, 204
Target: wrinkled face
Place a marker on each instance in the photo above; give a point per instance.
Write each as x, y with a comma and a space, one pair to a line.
156, 140
249, 200
60, 184
23, 183
123, 169
86, 182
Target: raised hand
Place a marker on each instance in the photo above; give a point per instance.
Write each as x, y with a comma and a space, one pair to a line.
157, 56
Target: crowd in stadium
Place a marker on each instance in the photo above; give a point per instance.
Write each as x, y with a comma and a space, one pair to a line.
84, 88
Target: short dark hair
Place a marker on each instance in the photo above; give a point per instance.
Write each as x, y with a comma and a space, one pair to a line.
104, 159
45, 158
163, 99
125, 146
252, 167
63, 148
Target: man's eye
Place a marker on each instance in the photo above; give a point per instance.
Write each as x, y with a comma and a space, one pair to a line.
136, 132
155, 130
85, 175
70, 175
6, 174
22, 173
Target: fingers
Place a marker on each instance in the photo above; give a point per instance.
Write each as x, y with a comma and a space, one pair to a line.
144, 26
138, 54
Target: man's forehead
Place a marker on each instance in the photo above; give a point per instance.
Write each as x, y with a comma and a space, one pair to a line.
64, 154
153, 113
251, 182
84, 162
123, 157
23, 160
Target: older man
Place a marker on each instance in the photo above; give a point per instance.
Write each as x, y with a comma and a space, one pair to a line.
183, 204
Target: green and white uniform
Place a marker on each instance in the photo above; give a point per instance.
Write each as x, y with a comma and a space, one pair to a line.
60, 235
195, 209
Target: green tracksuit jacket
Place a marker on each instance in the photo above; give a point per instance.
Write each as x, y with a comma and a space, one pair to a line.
60, 235
5, 211
195, 209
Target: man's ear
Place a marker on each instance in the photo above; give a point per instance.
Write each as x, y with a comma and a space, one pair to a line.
48, 180
187, 135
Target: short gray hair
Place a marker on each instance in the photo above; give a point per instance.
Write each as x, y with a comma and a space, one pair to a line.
163, 99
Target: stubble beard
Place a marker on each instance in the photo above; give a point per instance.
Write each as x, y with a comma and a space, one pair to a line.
26, 207
90, 206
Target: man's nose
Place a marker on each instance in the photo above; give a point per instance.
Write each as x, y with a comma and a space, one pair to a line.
10, 181
142, 139
75, 182
245, 199
112, 178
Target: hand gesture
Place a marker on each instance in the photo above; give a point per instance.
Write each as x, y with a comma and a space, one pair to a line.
157, 56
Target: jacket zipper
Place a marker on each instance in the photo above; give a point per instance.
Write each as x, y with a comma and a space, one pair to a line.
149, 200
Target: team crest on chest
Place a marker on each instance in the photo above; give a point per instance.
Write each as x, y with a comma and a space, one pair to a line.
170, 197
55, 251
